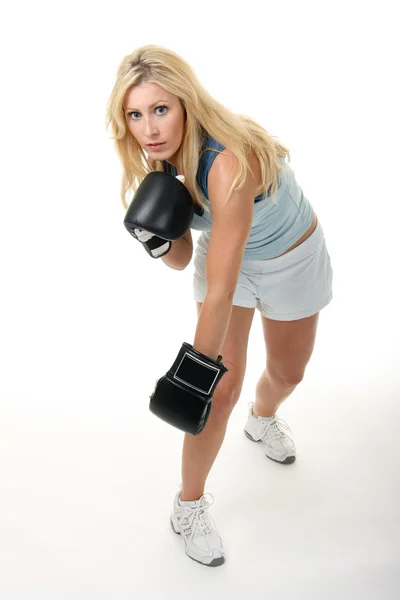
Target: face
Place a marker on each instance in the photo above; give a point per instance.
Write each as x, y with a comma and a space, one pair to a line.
153, 115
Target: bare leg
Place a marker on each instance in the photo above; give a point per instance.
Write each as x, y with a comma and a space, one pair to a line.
200, 451
199, 454
270, 393
289, 346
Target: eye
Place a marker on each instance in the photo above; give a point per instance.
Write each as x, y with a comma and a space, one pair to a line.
162, 107
134, 112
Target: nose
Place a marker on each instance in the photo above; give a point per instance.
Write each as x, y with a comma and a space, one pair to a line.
150, 128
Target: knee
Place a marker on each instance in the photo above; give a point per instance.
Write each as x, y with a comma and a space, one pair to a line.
287, 376
225, 397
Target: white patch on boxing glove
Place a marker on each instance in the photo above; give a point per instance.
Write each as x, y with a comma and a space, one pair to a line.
143, 235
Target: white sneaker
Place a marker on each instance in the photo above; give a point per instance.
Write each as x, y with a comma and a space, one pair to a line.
273, 432
202, 541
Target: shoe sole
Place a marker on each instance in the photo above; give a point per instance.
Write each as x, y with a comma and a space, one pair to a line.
288, 460
216, 562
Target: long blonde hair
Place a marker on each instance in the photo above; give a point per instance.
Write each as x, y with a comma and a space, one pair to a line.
204, 115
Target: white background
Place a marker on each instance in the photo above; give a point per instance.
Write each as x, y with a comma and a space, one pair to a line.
89, 321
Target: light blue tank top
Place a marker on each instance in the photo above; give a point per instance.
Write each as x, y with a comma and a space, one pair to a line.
275, 226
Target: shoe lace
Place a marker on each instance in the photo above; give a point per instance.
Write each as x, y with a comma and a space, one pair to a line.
272, 429
197, 519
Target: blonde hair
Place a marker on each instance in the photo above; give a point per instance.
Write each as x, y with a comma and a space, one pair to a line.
204, 116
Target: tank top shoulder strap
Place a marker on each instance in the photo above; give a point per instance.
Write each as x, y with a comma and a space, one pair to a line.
209, 152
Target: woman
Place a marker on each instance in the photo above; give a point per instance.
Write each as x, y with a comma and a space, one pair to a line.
261, 247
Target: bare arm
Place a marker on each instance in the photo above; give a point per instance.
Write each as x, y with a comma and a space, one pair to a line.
181, 253
231, 226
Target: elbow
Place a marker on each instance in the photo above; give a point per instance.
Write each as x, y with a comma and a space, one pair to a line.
182, 267
221, 294
186, 263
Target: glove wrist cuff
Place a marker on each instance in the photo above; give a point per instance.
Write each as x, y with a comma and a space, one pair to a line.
196, 371
156, 247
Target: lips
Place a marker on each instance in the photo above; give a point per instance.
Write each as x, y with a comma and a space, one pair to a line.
156, 145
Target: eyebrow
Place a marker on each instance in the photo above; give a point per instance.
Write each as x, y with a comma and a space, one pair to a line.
151, 106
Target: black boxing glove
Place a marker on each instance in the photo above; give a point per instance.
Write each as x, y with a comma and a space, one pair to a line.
161, 211
183, 396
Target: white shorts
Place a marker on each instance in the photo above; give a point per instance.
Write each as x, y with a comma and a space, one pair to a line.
290, 287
